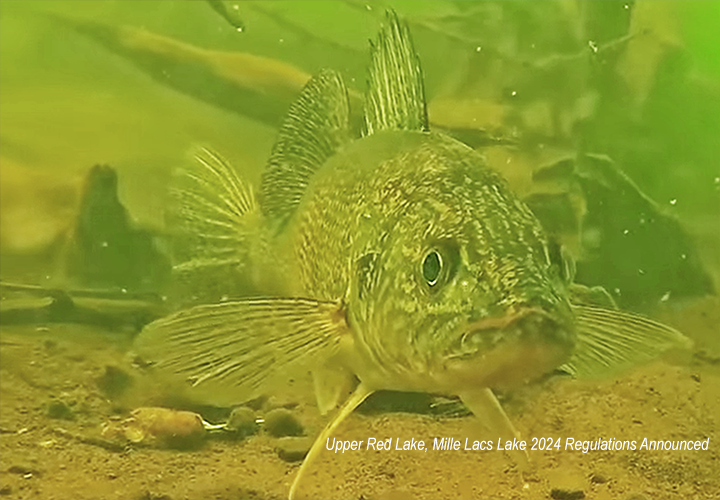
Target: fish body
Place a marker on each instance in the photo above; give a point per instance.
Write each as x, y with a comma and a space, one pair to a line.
396, 261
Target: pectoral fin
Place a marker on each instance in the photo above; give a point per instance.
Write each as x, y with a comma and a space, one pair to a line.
485, 406
609, 341
236, 348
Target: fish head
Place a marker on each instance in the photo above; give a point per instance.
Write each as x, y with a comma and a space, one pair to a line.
455, 276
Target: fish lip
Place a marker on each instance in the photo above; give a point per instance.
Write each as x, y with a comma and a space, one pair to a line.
502, 322
513, 349
532, 324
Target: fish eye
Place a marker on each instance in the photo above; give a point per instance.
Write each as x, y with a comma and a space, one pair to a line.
432, 267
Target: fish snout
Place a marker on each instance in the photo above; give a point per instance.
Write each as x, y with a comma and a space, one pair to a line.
528, 324
518, 346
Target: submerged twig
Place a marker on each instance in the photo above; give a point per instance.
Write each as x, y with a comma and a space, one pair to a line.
43, 291
106, 308
94, 441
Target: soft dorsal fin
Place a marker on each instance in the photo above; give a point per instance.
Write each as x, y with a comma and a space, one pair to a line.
395, 97
315, 127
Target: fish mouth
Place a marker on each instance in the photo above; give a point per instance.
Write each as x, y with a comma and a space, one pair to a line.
513, 349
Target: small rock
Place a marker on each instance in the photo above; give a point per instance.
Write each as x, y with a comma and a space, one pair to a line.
598, 479
59, 410
281, 422
559, 494
293, 449
23, 470
5, 490
162, 427
567, 484
242, 421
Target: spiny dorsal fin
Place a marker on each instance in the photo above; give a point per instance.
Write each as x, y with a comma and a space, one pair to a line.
609, 341
395, 98
315, 127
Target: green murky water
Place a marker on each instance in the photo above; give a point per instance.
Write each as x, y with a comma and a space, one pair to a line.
603, 116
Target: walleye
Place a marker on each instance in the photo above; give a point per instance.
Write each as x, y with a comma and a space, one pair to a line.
398, 261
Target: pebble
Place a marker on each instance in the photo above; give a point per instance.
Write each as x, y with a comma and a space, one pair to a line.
293, 449
23, 469
165, 428
598, 479
281, 422
242, 421
559, 494
566, 484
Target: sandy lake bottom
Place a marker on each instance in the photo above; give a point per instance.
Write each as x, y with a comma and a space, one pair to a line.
672, 399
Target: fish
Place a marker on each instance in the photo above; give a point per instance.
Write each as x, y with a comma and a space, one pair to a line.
398, 260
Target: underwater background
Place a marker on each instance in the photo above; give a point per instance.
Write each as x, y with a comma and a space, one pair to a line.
603, 116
